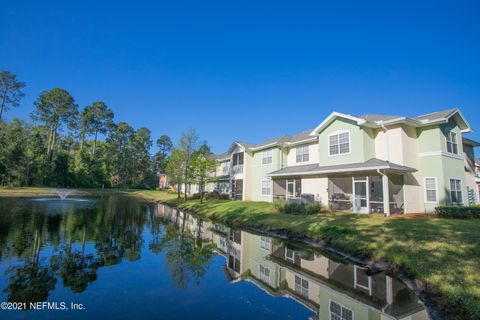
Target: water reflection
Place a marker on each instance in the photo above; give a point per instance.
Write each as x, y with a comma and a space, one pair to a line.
51, 249
332, 288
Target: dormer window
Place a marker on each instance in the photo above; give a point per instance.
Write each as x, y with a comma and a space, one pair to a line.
452, 146
339, 143
267, 156
302, 153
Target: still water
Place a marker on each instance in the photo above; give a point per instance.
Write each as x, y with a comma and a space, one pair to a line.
121, 258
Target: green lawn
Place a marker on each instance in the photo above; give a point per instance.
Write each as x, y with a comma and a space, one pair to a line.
443, 253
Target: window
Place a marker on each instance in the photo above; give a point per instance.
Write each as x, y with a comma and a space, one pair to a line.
267, 156
362, 280
452, 146
430, 187
264, 274
225, 168
339, 312
301, 286
237, 158
266, 243
289, 255
456, 191
266, 187
339, 143
302, 153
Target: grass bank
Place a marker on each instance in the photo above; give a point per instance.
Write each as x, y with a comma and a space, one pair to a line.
443, 255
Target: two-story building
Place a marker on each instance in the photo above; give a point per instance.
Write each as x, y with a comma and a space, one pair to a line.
364, 164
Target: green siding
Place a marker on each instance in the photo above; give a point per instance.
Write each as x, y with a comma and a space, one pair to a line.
260, 171
432, 139
362, 143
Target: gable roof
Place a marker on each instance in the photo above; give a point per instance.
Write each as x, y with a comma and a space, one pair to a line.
378, 120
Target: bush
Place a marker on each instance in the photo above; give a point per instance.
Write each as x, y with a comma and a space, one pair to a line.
458, 212
313, 208
215, 195
195, 196
296, 208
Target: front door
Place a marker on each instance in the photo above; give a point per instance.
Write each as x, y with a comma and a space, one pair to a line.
290, 189
360, 197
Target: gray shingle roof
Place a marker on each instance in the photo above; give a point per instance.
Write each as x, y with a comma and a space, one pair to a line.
221, 156
377, 117
372, 164
436, 115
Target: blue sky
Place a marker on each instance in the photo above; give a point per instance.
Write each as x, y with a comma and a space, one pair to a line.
248, 70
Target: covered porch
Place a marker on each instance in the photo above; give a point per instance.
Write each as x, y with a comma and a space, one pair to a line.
373, 186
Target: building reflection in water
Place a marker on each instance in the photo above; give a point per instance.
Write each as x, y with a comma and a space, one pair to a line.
332, 288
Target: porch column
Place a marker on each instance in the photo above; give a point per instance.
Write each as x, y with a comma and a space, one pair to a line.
386, 193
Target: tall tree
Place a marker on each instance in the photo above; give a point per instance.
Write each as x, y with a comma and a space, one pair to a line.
120, 154
164, 146
55, 108
188, 144
95, 118
141, 157
203, 168
10, 92
174, 169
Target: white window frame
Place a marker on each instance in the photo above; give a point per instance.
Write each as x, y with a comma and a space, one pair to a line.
356, 284
452, 141
269, 188
341, 307
263, 275
460, 190
425, 198
266, 243
267, 156
338, 133
303, 291
292, 259
302, 151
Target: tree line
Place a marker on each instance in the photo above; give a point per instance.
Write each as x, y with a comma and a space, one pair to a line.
61, 146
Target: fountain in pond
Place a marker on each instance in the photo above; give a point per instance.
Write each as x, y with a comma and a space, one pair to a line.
63, 193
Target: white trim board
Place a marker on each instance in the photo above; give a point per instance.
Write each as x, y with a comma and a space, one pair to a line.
440, 153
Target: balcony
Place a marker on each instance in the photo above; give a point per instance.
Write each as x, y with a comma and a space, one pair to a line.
237, 169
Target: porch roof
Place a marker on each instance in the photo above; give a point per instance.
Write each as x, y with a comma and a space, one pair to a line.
313, 169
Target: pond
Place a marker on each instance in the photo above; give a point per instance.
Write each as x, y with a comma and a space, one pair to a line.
121, 258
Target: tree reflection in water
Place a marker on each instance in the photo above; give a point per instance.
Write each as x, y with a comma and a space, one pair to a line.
80, 240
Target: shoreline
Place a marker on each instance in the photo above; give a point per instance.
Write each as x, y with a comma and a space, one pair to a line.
437, 306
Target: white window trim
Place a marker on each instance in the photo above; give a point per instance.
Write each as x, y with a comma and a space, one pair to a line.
301, 286
263, 248
303, 146
358, 285
261, 187
450, 189
338, 132
425, 199
260, 273
288, 259
341, 305
266, 157
456, 143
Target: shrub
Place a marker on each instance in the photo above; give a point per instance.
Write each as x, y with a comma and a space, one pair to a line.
296, 208
458, 212
313, 208
195, 196
215, 195
279, 205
